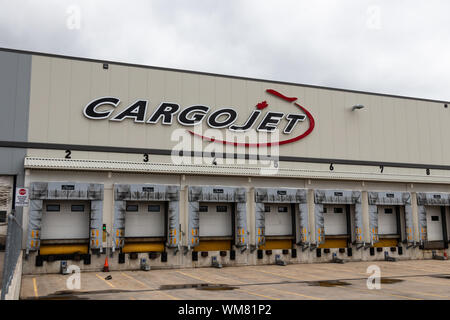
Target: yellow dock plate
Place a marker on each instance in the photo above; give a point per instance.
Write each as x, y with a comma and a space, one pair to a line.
334, 243
276, 244
386, 243
213, 245
143, 247
63, 249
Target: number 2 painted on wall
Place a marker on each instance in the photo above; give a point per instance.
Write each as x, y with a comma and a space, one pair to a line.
68, 154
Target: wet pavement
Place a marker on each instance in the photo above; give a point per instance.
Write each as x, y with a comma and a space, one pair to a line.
401, 280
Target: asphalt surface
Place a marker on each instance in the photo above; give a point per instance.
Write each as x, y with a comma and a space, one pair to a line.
402, 280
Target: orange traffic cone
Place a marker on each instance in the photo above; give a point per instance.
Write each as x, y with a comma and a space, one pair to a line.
106, 266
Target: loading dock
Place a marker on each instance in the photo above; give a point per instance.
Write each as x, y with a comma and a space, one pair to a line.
146, 218
389, 226
336, 226
65, 227
390, 219
434, 224
216, 222
217, 219
337, 213
433, 215
115, 140
145, 226
279, 226
65, 220
281, 218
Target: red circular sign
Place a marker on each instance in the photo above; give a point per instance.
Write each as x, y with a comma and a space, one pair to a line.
22, 192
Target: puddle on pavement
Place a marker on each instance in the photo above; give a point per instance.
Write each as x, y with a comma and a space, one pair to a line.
72, 295
68, 297
217, 287
329, 283
442, 277
198, 286
390, 280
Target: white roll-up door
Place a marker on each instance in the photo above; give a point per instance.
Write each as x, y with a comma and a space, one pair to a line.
215, 220
387, 220
278, 219
65, 220
144, 219
434, 223
335, 220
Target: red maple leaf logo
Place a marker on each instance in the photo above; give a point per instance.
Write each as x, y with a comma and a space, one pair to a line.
262, 105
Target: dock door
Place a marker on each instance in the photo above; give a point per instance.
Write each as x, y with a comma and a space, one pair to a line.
65, 221
146, 218
65, 227
145, 226
281, 219
433, 214
217, 220
390, 218
338, 215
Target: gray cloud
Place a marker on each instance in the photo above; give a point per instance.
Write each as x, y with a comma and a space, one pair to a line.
399, 47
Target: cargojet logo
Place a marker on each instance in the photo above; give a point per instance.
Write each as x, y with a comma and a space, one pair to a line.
223, 118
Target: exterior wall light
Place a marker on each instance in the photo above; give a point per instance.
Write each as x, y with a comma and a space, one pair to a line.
357, 107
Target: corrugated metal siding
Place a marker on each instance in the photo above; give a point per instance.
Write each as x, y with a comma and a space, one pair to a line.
319, 172
389, 128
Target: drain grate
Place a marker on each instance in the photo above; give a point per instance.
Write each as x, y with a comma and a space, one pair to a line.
390, 280
329, 283
198, 286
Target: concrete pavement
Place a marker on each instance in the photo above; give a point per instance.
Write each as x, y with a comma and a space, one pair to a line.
402, 280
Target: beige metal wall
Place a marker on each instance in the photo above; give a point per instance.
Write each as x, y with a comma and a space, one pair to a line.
388, 129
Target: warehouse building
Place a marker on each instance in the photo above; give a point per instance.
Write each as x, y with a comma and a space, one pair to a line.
172, 169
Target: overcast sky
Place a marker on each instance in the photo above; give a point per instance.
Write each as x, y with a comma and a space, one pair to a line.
396, 47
